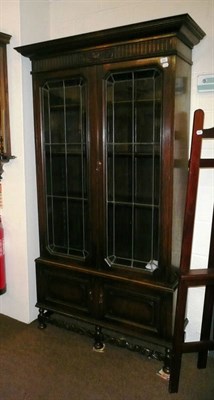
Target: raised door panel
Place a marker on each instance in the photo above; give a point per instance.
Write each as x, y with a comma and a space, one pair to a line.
139, 310
60, 289
132, 308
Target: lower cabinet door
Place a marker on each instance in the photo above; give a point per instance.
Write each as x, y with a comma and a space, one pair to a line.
131, 308
62, 290
139, 309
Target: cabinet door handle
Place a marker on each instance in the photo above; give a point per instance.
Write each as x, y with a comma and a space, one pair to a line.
90, 294
98, 166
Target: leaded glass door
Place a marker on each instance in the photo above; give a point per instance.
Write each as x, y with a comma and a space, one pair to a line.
65, 155
133, 146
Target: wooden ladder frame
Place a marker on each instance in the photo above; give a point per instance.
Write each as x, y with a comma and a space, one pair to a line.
193, 277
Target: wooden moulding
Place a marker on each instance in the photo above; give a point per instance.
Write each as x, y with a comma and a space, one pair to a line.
5, 146
161, 37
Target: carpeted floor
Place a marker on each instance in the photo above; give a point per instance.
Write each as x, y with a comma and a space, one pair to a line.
56, 364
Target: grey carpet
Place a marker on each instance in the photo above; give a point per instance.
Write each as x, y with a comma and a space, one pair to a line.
56, 364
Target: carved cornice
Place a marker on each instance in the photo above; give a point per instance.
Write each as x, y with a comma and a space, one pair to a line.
122, 52
4, 38
152, 38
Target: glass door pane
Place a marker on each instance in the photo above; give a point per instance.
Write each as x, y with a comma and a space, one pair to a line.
133, 110
66, 192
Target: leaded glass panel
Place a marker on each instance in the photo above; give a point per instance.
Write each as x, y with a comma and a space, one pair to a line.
66, 192
133, 110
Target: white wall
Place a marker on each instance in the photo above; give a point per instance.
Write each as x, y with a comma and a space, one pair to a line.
32, 21
25, 21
